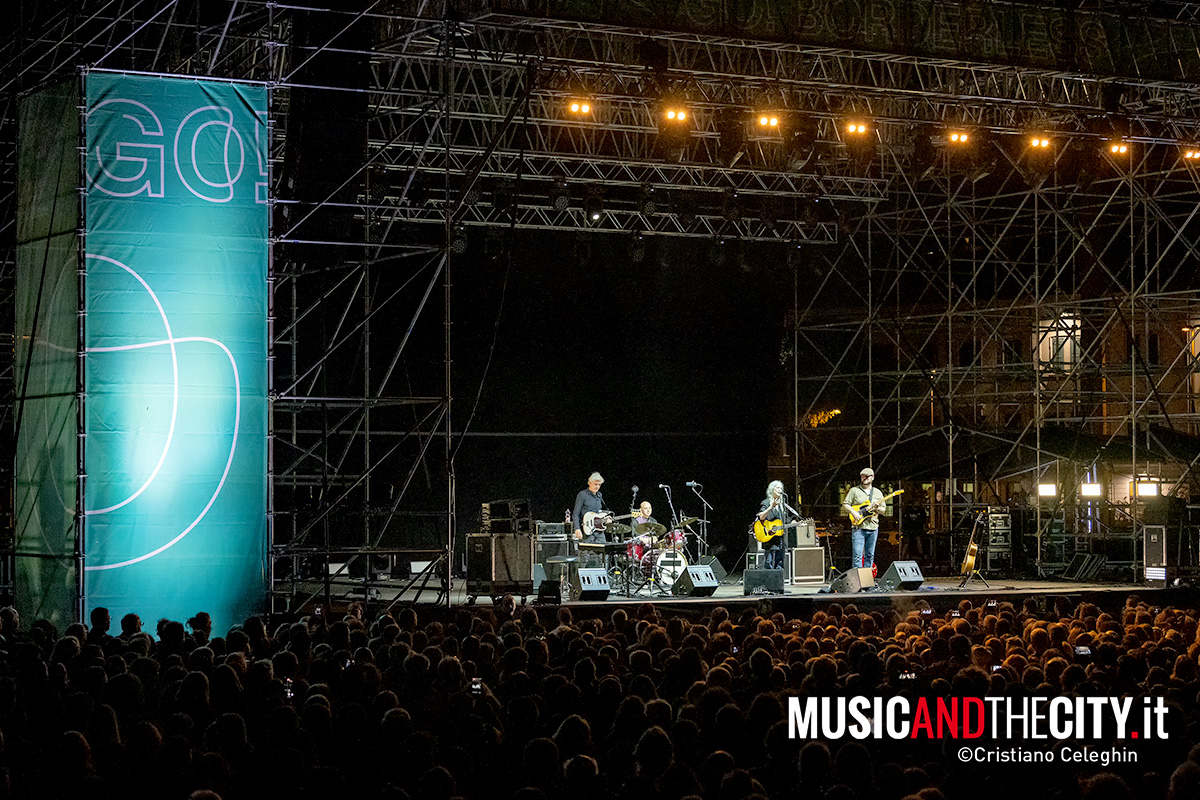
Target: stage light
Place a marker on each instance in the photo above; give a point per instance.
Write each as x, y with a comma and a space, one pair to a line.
675, 114
1047, 490
768, 120
1147, 489
1090, 490
647, 203
593, 209
560, 195
959, 137
1192, 153
1118, 148
580, 106
1039, 142
856, 128
458, 239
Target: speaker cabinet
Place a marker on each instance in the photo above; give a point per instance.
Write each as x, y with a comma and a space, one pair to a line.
904, 575
589, 584
695, 581
852, 581
808, 565
714, 564
762, 581
499, 564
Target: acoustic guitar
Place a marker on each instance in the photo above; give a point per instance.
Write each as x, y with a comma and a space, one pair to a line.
856, 517
766, 530
968, 564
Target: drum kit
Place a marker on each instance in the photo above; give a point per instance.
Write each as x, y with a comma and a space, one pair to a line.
653, 558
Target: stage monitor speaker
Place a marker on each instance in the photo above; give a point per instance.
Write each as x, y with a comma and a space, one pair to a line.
852, 581
808, 565
589, 584
762, 581
904, 575
714, 564
549, 593
695, 581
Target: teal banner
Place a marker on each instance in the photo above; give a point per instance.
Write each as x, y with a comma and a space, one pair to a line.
175, 336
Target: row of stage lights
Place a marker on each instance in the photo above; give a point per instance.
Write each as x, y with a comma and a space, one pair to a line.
1143, 489
770, 121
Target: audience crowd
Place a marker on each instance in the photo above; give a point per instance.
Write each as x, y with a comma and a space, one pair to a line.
532, 702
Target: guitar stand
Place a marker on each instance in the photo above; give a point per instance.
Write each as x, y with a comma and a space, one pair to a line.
973, 574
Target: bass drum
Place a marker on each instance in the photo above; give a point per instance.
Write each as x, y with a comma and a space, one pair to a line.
669, 566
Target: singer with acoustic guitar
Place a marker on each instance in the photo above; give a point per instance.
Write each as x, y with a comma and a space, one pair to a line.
773, 510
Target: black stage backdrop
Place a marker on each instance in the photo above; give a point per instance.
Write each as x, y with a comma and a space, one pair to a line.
652, 372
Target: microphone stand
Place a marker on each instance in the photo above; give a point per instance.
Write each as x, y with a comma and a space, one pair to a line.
702, 539
670, 504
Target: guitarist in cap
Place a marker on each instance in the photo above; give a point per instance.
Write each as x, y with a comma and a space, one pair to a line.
866, 500
774, 508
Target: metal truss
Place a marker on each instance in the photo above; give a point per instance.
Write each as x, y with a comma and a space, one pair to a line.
464, 125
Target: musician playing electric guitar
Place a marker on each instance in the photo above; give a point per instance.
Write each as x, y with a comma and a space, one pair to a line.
588, 500
865, 530
773, 508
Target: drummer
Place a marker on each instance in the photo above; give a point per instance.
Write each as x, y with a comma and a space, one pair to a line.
645, 515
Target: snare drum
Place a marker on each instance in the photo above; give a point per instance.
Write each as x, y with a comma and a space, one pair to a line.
675, 540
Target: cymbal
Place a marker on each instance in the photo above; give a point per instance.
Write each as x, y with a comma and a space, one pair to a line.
688, 521
620, 528
652, 528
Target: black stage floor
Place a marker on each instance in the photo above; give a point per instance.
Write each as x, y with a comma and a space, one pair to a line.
940, 593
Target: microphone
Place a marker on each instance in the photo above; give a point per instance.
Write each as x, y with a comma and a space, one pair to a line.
635, 489
663, 486
691, 483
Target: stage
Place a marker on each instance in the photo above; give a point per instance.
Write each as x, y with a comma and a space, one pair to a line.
797, 600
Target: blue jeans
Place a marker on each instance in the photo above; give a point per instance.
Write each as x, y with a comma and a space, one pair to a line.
862, 547
773, 557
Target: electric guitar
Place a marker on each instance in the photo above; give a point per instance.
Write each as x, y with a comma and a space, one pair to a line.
766, 530
856, 517
597, 521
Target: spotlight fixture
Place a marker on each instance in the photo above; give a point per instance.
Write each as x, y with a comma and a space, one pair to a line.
647, 204
856, 128
579, 106
1090, 490
560, 195
1192, 152
768, 119
1147, 489
959, 137
1047, 490
1039, 142
593, 209
1118, 148
675, 114
458, 239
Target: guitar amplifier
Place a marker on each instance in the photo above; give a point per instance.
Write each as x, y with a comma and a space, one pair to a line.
807, 564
